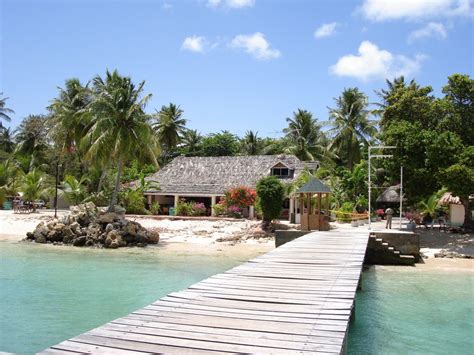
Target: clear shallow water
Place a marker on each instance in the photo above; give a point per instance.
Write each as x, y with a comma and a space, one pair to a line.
405, 311
49, 294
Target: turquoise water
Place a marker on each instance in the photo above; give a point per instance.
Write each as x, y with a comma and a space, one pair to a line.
49, 294
406, 311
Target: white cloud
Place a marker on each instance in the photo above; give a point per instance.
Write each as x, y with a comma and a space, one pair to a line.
374, 63
167, 6
326, 30
432, 29
234, 4
213, 3
194, 44
381, 10
256, 45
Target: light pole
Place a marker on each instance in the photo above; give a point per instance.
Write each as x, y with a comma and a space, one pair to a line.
377, 156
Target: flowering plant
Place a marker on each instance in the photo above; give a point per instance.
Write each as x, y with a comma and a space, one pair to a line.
380, 212
240, 196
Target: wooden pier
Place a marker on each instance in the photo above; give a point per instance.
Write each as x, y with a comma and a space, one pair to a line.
297, 298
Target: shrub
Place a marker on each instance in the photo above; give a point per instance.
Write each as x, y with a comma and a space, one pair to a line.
240, 196
155, 208
133, 201
234, 211
344, 214
183, 208
271, 193
219, 209
198, 209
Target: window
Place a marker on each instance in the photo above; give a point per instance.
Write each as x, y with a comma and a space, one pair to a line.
281, 172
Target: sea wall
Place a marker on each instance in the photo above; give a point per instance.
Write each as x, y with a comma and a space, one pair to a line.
407, 243
285, 236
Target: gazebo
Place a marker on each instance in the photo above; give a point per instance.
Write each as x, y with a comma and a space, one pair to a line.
314, 205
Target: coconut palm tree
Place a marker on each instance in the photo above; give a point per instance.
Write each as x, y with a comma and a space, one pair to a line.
303, 136
191, 142
120, 129
34, 185
251, 143
350, 125
31, 139
4, 111
69, 114
73, 190
170, 126
6, 140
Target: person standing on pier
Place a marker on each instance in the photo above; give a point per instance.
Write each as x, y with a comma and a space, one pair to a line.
389, 212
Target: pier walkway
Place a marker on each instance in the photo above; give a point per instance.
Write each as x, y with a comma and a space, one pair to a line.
297, 298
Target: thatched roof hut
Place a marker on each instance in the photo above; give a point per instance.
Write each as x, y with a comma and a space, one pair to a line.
215, 175
390, 196
448, 199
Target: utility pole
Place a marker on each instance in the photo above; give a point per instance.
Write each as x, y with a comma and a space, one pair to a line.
401, 194
56, 190
376, 156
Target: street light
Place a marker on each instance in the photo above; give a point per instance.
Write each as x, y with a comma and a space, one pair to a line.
377, 156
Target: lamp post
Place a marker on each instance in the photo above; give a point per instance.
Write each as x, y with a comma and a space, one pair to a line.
377, 156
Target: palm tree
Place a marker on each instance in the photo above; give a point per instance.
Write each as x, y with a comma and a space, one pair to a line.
191, 142
170, 126
4, 111
34, 185
73, 190
69, 114
304, 136
251, 143
32, 139
6, 140
350, 125
120, 128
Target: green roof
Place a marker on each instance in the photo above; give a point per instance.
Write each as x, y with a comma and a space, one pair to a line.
314, 185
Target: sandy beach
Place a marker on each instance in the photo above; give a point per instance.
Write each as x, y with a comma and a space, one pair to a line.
244, 238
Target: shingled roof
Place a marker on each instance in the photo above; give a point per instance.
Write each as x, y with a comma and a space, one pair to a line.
314, 186
215, 175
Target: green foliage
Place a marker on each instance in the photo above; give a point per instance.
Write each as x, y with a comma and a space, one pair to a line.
73, 190
155, 208
344, 214
271, 194
191, 143
350, 126
220, 144
219, 209
251, 144
191, 208
428, 206
136, 170
169, 126
35, 185
459, 180
303, 135
4, 110
133, 201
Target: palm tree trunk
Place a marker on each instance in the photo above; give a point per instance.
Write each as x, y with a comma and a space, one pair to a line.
113, 202
349, 152
101, 180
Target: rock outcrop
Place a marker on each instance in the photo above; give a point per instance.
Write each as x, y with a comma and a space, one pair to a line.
86, 225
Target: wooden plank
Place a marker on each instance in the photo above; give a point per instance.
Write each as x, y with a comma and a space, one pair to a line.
294, 299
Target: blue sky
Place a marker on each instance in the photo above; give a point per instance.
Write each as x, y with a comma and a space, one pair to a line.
232, 64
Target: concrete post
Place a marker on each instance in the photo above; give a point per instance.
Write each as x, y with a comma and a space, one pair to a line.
149, 199
213, 202
292, 208
176, 199
251, 212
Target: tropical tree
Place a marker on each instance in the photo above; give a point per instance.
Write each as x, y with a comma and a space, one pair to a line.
304, 136
72, 190
4, 110
170, 126
220, 144
270, 195
251, 144
191, 142
119, 128
32, 140
6, 140
34, 185
350, 125
69, 114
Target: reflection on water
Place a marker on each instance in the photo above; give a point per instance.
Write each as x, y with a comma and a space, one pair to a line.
402, 311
